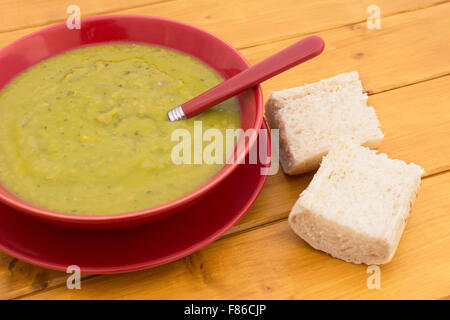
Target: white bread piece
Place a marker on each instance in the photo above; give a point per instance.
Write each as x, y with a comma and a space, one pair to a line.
356, 206
313, 116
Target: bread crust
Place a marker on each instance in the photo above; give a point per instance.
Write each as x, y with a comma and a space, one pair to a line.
297, 162
336, 215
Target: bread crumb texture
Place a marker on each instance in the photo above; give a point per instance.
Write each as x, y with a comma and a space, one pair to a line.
357, 204
312, 117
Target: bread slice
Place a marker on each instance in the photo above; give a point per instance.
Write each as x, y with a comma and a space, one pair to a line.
312, 117
356, 206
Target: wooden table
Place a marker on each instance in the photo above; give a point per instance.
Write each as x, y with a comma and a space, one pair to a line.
404, 66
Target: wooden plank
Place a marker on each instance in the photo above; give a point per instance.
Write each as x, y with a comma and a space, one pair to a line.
18, 278
273, 263
242, 23
20, 14
253, 22
416, 123
409, 48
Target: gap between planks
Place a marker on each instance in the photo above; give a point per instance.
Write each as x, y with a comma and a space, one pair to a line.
369, 93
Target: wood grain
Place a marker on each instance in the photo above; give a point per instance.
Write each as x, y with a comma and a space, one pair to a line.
399, 54
242, 23
254, 22
260, 257
404, 51
20, 14
18, 278
273, 263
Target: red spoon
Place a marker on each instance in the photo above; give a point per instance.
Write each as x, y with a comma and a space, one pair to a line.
297, 53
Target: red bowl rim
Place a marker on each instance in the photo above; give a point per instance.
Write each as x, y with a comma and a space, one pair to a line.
130, 216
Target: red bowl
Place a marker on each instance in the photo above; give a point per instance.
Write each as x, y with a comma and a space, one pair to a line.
188, 39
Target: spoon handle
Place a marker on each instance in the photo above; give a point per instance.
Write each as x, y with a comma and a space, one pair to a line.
293, 55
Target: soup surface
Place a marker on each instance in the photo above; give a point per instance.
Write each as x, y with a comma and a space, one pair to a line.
86, 132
